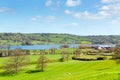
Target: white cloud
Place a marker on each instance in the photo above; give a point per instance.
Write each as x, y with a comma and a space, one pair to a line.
53, 5
5, 9
112, 9
48, 3
106, 11
33, 19
110, 1
72, 24
46, 19
106, 1
105, 8
72, 3
87, 15
36, 18
115, 9
67, 11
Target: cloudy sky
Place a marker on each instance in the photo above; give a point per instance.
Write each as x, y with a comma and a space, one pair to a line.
80, 17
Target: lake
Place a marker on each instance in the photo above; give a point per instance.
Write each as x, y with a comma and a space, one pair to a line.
49, 46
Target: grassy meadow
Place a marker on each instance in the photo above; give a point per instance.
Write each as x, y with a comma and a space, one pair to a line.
71, 70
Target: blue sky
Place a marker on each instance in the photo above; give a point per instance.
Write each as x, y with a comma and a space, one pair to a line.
80, 17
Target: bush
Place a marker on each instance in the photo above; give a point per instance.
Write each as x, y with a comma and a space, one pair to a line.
83, 59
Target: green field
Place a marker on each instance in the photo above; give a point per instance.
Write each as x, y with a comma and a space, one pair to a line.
71, 70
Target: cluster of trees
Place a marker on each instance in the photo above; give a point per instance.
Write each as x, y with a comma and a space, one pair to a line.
15, 61
43, 38
19, 58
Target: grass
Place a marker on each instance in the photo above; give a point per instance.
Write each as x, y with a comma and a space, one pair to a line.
2, 60
34, 58
71, 70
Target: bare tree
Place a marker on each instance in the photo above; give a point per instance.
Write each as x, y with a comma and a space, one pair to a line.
42, 61
15, 62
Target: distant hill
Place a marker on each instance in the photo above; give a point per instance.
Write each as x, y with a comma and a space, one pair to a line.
50, 38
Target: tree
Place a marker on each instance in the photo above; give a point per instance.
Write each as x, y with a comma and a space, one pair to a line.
77, 53
116, 55
42, 61
52, 50
62, 59
64, 46
82, 46
8, 49
0, 49
65, 55
15, 62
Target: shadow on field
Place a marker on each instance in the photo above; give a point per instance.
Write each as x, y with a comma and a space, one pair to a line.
102, 69
6, 74
33, 71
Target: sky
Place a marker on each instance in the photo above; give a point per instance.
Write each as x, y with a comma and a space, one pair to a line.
79, 17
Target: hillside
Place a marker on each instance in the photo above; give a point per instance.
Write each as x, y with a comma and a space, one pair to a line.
50, 38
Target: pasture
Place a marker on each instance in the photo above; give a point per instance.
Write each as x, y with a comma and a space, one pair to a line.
71, 70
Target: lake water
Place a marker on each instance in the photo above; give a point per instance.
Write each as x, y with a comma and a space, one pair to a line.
42, 47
